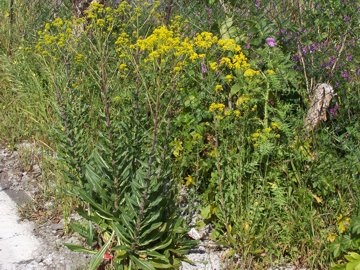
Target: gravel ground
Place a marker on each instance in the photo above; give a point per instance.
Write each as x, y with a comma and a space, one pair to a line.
26, 245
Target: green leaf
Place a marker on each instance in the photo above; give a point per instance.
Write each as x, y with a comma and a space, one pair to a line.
235, 89
160, 264
150, 219
99, 160
144, 265
78, 248
98, 258
87, 198
152, 228
206, 212
352, 256
129, 224
162, 245
121, 233
93, 178
355, 228
121, 247
77, 227
353, 265
227, 30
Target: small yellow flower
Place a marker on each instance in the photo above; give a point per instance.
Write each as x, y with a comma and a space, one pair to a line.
275, 125
343, 223
229, 78
246, 227
267, 130
189, 180
100, 22
255, 136
219, 88
58, 22
177, 146
237, 113
331, 237
213, 65
212, 153
122, 66
270, 72
79, 58
196, 136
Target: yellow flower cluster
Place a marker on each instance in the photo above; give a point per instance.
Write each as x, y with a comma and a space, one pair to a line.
47, 39
265, 134
236, 62
205, 40
242, 100
250, 72
216, 107
229, 45
222, 112
165, 43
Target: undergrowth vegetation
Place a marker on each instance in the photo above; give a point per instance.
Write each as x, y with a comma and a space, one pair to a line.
164, 114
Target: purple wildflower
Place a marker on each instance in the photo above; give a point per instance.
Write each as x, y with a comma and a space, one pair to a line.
346, 18
333, 110
271, 42
345, 74
319, 7
295, 58
314, 47
349, 57
203, 68
331, 61
304, 50
257, 4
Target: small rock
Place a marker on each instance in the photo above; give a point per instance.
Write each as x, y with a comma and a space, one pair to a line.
57, 226
74, 240
36, 171
194, 234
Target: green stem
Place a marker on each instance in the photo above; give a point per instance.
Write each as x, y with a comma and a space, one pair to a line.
266, 104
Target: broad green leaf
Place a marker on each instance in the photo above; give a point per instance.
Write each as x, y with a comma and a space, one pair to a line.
162, 245
206, 212
160, 264
235, 89
142, 264
150, 219
150, 230
226, 28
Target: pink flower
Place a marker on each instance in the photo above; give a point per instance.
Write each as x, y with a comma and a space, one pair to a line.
271, 42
